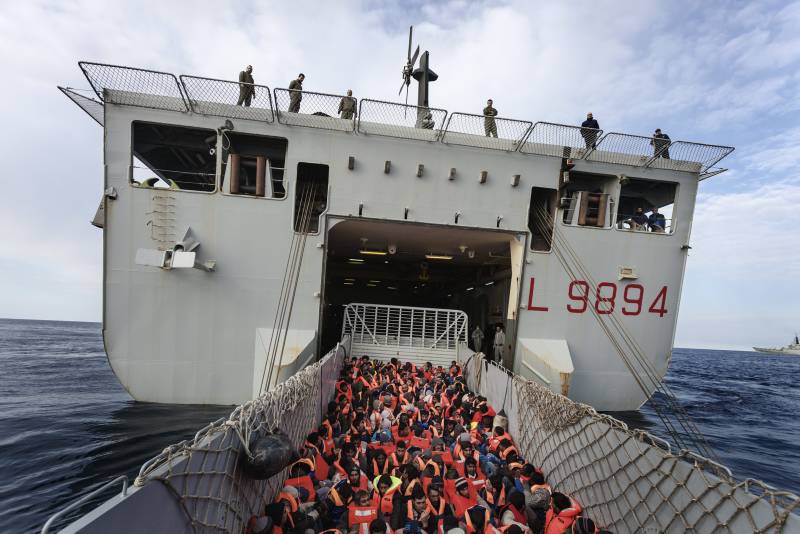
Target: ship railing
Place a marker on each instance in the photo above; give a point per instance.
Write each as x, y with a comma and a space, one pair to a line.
627, 480
496, 133
560, 140
144, 176
390, 119
130, 86
86, 498
116, 84
312, 110
623, 149
688, 156
226, 98
92, 107
625, 222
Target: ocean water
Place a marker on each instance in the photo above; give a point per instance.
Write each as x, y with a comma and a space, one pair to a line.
66, 424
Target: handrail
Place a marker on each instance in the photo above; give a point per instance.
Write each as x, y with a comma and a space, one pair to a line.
48, 525
162, 90
322, 112
471, 129
201, 93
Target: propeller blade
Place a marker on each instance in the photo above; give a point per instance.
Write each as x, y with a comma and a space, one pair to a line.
405, 109
413, 59
410, 30
404, 84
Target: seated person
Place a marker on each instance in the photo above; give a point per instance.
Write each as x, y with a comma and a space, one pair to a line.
639, 220
657, 222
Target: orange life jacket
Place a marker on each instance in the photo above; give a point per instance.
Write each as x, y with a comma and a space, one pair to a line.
303, 482
560, 522
462, 504
361, 516
488, 528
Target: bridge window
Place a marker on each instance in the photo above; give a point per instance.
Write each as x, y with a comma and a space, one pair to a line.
311, 193
587, 199
541, 214
646, 205
253, 165
173, 157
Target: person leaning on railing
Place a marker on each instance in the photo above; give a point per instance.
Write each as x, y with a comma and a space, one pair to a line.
657, 222
247, 89
589, 129
660, 143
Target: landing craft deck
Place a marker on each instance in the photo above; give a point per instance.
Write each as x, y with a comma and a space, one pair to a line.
627, 481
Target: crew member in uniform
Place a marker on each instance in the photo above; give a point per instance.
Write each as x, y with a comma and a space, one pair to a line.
347, 106
499, 344
247, 90
477, 338
489, 126
589, 129
296, 93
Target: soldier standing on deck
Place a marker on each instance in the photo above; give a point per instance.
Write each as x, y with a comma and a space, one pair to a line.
247, 90
660, 143
347, 106
589, 129
499, 344
488, 123
296, 93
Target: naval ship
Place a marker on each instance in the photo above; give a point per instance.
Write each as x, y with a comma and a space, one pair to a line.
422, 216
248, 249
792, 348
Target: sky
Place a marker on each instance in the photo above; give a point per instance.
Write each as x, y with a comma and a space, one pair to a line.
722, 72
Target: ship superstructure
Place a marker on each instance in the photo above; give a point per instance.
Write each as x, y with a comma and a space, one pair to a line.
410, 212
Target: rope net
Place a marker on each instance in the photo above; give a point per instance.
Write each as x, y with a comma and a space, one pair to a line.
626, 480
205, 474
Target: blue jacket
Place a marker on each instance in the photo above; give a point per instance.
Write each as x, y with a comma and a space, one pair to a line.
657, 219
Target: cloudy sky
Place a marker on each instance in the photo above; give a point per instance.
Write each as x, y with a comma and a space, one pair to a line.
721, 72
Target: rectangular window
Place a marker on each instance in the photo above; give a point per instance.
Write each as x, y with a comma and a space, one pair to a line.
253, 165
586, 199
310, 196
174, 157
646, 205
541, 215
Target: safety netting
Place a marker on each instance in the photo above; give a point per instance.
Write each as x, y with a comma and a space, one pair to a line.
627, 480
205, 473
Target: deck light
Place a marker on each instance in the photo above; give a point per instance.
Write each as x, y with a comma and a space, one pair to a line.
348, 283
491, 283
366, 252
391, 287
371, 285
438, 257
374, 281
470, 288
349, 279
355, 260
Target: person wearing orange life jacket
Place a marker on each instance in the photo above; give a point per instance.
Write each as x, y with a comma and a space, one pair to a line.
437, 508
584, 525
414, 510
494, 493
514, 512
386, 486
462, 498
259, 525
562, 513
300, 477
478, 521
336, 503
278, 512
473, 474
358, 480
380, 463
361, 512
400, 456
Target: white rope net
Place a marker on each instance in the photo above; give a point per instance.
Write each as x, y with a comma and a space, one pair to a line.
205, 474
627, 480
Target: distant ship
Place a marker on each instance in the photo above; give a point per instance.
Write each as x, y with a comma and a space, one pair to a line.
792, 348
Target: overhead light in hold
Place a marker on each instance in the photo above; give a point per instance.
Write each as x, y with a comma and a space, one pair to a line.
490, 283
366, 252
438, 257
470, 288
392, 249
374, 281
355, 260
391, 287
349, 279
348, 283
470, 253
372, 285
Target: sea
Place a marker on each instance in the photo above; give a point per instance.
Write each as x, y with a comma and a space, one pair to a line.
67, 425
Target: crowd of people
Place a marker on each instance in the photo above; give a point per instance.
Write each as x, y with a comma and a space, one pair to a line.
409, 449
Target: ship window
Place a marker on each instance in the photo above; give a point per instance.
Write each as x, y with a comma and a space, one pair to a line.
587, 200
174, 157
541, 213
650, 196
311, 193
253, 165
